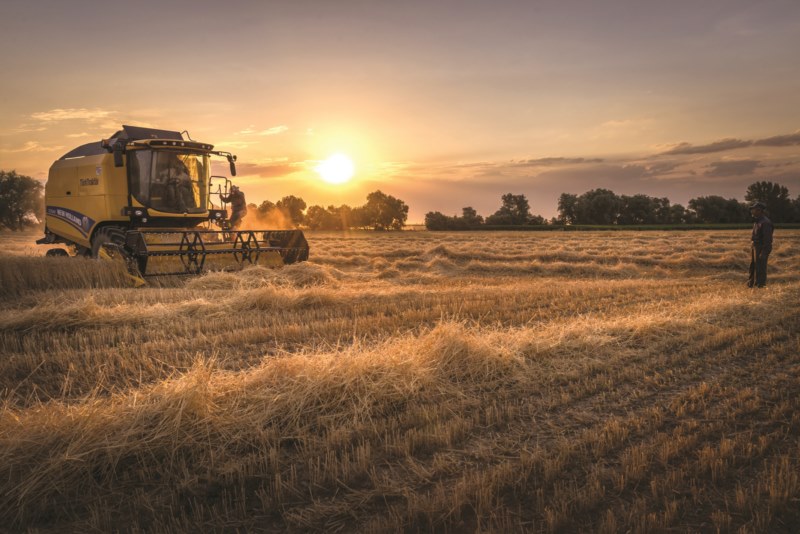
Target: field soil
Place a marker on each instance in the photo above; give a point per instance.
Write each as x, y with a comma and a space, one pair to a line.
409, 381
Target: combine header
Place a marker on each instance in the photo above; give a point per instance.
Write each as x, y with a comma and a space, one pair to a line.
146, 195
199, 250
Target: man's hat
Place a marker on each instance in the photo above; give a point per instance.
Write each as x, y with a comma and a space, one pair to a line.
234, 188
758, 204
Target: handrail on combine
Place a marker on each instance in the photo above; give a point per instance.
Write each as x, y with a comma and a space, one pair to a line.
219, 192
194, 247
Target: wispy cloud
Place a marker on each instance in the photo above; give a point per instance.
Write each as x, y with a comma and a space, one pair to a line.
723, 145
268, 170
742, 167
275, 130
550, 162
32, 146
780, 140
252, 130
91, 115
27, 128
661, 168
264, 169
622, 128
718, 146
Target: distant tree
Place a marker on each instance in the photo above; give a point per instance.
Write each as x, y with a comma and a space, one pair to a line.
359, 218
515, 210
468, 220
316, 217
265, 208
21, 200
643, 209
471, 217
436, 220
716, 209
292, 207
385, 212
330, 218
662, 209
677, 214
775, 196
598, 206
796, 209
566, 208
637, 209
343, 214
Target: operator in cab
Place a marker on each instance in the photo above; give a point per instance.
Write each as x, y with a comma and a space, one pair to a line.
178, 186
238, 206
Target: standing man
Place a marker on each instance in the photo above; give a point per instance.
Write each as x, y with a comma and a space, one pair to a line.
762, 246
238, 206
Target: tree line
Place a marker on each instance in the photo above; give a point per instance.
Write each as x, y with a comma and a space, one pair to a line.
604, 207
22, 204
380, 212
515, 210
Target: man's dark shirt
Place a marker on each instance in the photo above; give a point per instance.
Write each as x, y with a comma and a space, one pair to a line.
762, 234
238, 203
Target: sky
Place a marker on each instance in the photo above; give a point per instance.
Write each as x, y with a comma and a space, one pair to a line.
444, 104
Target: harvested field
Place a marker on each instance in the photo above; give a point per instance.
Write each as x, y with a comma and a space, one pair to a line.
506, 382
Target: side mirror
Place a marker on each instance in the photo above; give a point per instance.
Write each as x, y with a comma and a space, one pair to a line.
118, 162
231, 160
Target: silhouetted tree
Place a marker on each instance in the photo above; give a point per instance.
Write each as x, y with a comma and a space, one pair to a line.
469, 220
598, 206
21, 202
344, 214
317, 218
385, 212
775, 196
678, 214
716, 209
292, 207
638, 209
471, 217
662, 209
436, 220
265, 208
515, 210
796, 209
330, 218
359, 217
566, 208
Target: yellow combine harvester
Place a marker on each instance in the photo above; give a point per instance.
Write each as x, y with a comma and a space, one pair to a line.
146, 195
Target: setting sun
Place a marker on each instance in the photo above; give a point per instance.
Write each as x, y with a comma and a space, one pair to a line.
337, 169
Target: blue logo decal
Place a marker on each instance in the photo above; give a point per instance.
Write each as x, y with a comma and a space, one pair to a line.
76, 219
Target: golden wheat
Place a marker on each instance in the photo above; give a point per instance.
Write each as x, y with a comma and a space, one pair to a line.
408, 381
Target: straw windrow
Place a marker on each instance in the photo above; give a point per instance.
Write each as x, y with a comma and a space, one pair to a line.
406, 382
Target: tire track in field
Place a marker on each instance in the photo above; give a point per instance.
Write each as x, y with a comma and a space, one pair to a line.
665, 395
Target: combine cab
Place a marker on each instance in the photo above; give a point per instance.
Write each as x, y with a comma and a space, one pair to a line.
146, 195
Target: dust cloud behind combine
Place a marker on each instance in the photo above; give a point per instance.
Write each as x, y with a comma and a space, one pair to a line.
408, 381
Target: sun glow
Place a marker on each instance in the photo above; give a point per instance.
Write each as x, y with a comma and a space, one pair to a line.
337, 169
